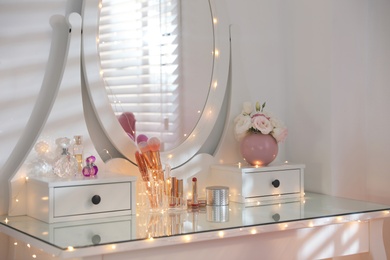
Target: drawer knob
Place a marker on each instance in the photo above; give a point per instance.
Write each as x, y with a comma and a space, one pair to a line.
96, 239
276, 217
96, 199
276, 183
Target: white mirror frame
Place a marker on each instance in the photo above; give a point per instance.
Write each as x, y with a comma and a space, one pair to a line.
102, 108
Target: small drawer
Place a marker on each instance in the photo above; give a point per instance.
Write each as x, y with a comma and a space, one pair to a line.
271, 183
91, 199
53, 199
276, 183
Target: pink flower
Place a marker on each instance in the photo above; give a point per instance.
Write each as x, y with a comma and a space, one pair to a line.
261, 123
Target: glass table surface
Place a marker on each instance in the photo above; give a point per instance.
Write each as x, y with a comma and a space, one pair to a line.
144, 226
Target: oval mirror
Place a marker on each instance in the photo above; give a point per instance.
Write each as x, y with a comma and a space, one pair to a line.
156, 61
151, 68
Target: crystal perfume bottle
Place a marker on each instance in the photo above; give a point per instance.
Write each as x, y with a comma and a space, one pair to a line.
90, 169
65, 165
78, 149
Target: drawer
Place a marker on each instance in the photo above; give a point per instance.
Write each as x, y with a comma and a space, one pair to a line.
54, 199
271, 183
91, 199
256, 185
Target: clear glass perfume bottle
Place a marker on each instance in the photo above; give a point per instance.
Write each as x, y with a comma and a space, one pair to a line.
65, 165
78, 150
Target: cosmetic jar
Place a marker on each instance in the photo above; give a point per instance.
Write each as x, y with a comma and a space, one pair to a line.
217, 196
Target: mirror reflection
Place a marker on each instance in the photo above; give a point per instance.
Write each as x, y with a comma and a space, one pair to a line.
156, 58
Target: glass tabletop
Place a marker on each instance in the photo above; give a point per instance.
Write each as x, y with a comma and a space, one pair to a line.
143, 226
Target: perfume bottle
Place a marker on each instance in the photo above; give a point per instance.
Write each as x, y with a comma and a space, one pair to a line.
65, 165
78, 149
90, 169
42, 164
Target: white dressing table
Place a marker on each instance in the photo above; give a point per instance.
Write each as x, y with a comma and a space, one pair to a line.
317, 226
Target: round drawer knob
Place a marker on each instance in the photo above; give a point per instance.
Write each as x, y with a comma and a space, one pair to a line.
96, 199
276, 217
96, 239
276, 183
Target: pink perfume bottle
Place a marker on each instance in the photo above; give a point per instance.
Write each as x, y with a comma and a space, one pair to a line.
90, 169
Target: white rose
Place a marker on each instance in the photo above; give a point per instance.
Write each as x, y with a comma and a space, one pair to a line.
280, 134
261, 123
242, 124
274, 120
247, 108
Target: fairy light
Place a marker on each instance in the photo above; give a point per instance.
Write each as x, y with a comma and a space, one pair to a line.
6, 220
216, 52
215, 20
253, 231
215, 85
221, 234
70, 248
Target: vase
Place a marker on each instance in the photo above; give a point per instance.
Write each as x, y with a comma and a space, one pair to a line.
258, 149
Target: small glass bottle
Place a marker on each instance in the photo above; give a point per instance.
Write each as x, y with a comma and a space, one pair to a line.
65, 165
78, 150
90, 169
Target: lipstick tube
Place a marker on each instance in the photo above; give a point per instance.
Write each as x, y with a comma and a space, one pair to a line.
195, 202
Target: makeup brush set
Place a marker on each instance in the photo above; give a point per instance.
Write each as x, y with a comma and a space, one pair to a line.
162, 190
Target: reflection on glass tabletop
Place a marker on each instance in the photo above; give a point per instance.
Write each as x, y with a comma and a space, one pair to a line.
144, 225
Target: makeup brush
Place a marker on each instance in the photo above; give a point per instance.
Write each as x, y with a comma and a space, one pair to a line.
146, 153
141, 166
154, 145
145, 177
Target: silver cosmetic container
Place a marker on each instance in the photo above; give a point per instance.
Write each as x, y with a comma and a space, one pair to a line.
217, 196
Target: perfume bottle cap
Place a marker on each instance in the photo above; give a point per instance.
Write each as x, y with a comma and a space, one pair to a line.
78, 139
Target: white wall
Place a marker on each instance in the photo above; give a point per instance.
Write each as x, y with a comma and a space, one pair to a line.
322, 66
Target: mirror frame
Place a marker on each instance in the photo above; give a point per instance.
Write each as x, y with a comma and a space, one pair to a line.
105, 116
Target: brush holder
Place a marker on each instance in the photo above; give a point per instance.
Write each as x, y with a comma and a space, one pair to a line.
151, 196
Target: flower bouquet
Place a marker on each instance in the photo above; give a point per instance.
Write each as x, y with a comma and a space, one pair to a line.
254, 123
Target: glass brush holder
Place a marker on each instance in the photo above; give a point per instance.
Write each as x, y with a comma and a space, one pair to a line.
159, 194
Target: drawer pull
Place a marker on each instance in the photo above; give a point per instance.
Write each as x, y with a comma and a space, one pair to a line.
276, 183
96, 239
96, 199
276, 217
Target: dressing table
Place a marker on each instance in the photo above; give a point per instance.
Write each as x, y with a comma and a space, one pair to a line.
310, 227
313, 227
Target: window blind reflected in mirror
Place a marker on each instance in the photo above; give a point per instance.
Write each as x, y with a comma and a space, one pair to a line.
139, 44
